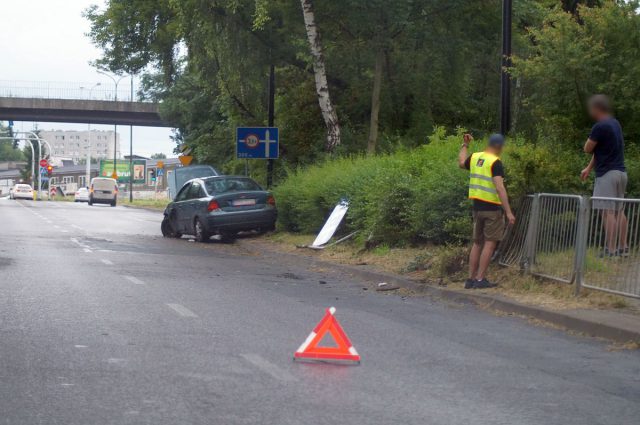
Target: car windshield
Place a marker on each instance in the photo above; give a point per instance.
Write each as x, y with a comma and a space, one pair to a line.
230, 184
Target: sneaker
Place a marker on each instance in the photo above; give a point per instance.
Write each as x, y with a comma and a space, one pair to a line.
469, 284
623, 252
483, 284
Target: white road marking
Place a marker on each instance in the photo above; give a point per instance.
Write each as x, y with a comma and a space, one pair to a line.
269, 368
64, 231
55, 226
182, 310
80, 346
134, 280
107, 262
86, 250
76, 227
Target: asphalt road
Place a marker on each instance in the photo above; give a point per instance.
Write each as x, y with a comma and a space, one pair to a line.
102, 321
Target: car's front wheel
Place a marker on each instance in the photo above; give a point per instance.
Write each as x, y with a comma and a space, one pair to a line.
168, 231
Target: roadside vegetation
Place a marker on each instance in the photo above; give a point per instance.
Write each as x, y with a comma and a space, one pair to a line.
389, 71
152, 204
416, 196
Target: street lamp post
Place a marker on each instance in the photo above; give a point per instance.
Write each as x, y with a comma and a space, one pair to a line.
115, 127
505, 81
31, 137
131, 152
88, 177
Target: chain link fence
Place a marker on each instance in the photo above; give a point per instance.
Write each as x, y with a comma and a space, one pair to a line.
591, 242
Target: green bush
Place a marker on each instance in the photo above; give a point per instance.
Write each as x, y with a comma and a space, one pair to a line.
418, 195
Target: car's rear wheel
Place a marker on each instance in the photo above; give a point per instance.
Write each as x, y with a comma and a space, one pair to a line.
200, 231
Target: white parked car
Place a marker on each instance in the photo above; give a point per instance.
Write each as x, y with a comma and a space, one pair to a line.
22, 191
81, 195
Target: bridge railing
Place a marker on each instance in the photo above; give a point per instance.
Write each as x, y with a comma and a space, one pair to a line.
66, 90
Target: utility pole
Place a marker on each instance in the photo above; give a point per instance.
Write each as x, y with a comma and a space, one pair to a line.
88, 177
115, 126
131, 152
505, 81
271, 119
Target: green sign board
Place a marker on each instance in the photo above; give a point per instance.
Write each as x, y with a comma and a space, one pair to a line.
122, 169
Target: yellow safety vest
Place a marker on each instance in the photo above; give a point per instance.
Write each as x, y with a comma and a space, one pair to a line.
481, 186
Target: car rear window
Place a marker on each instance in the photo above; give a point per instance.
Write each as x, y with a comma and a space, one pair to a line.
103, 183
231, 184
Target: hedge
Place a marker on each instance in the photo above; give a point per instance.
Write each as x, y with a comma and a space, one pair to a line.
418, 195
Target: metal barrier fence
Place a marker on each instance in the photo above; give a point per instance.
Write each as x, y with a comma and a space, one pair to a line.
592, 242
513, 247
612, 250
552, 240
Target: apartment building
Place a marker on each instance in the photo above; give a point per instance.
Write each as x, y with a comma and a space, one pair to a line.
76, 144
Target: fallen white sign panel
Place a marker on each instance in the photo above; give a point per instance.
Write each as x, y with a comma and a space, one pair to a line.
331, 225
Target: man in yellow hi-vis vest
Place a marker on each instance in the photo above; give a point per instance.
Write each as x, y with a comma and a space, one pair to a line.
490, 205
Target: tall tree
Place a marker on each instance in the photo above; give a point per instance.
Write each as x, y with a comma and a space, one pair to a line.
322, 87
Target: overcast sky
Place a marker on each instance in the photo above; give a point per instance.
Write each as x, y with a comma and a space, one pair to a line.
44, 40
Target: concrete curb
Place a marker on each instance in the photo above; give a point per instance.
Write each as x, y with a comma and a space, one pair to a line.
571, 321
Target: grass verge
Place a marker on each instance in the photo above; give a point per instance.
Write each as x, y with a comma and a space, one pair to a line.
446, 266
151, 204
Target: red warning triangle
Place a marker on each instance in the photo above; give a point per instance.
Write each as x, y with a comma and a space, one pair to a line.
343, 350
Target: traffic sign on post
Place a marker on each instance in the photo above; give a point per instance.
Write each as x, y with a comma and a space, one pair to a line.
43, 163
257, 142
185, 160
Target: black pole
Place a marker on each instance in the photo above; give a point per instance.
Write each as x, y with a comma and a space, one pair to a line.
505, 81
131, 152
272, 96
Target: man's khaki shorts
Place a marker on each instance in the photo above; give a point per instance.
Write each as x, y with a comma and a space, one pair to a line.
488, 226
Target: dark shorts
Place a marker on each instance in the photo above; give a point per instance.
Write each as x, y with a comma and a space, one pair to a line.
488, 226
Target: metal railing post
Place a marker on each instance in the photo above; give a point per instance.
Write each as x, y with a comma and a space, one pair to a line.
581, 242
532, 234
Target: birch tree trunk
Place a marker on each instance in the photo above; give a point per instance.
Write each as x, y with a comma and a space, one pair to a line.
375, 104
322, 88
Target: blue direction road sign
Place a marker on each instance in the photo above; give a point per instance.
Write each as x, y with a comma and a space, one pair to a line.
160, 172
257, 142
43, 170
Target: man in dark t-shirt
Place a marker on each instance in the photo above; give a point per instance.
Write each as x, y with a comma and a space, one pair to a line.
606, 146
